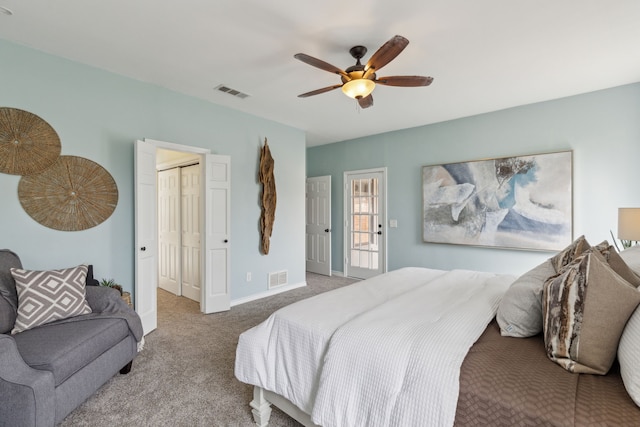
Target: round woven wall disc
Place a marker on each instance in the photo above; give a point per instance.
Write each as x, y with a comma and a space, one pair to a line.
73, 194
28, 144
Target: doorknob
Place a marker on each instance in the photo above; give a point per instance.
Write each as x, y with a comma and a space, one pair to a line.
379, 232
326, 230
226, 241
144, 248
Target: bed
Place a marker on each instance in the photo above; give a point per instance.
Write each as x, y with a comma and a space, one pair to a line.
419, 346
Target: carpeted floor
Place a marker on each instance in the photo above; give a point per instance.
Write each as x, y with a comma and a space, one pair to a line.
184, 376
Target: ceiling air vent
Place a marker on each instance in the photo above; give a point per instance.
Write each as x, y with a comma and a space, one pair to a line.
230, 91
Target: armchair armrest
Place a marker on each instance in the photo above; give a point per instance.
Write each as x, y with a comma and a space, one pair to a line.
27, 396
108, 301
103, 299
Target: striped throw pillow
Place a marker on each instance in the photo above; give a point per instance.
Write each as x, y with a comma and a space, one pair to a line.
585, 309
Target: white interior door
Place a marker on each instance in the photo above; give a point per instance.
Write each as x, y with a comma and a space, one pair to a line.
365, 231
318, 230
146, 232
169, 230
217, 247
190, 218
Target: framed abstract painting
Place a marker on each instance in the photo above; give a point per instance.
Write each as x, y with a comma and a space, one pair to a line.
522, 202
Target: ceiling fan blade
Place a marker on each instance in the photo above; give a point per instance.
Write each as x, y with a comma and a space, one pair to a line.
385, 54
315, 62
406, 81
319, 91
366, 102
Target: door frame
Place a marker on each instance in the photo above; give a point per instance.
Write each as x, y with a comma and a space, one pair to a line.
151, 300
383, 214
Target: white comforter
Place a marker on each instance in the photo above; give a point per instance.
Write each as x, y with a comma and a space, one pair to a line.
383, 352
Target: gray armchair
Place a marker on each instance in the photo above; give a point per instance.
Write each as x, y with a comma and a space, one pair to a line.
47, 371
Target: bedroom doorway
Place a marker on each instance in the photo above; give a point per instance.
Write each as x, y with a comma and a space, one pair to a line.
318, 225
215, 193
365, 226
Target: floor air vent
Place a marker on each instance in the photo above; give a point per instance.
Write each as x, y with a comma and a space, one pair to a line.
230, 91
278, 278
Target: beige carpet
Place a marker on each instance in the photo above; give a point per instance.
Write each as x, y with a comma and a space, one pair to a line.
184, 375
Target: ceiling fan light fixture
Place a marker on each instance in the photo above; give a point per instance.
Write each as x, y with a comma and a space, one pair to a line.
358, 81
358, 88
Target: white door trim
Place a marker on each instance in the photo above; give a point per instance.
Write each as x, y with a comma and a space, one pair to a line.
383, 217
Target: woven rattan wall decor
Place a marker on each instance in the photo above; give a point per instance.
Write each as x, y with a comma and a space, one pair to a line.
73, 194
268, 214
28, 144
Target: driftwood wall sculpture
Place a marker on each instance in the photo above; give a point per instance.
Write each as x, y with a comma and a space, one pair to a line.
268, 181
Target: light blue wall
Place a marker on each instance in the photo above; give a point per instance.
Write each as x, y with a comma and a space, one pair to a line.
602, 128
98, 115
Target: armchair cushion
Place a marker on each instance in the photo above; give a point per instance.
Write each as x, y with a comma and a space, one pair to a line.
46, 296
66, 347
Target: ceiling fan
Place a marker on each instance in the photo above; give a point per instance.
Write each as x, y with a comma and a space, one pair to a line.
358, 81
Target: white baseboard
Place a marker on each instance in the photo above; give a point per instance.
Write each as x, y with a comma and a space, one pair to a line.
269, 293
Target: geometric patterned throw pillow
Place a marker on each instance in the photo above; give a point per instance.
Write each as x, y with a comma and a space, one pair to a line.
46, 296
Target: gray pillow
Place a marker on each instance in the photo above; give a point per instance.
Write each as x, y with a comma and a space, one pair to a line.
520, 311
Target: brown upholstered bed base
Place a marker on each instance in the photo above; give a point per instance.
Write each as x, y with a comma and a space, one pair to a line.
510, 381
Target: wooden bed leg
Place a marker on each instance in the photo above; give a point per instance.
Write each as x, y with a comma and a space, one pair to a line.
261, 407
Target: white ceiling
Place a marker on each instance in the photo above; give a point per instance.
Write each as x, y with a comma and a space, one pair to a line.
484, 55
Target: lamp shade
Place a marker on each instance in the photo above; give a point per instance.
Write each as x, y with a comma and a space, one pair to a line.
358, 88
629, 224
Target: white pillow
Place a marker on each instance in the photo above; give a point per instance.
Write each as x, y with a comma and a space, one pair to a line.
520, 311
629, 347
632, 257
629, 356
